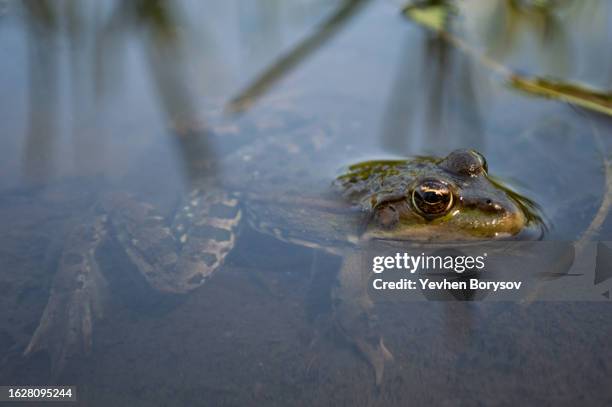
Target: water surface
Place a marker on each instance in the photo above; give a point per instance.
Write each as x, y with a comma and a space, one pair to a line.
106, 96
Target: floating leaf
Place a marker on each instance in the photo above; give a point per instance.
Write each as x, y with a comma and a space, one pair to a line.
572, 93
432, 16
435, 15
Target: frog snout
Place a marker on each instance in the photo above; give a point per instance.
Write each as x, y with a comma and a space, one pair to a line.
490, 206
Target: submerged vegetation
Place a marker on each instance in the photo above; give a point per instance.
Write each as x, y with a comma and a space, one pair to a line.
582, 96
436, 15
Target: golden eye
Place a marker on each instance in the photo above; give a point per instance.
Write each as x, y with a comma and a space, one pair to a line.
432, 198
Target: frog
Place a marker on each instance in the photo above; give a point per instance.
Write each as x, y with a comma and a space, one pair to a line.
276, 186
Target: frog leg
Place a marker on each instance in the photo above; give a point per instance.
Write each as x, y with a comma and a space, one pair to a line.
352, 309
76, 298
169, 261
179, 256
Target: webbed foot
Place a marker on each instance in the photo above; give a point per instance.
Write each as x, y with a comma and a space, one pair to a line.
376, 354
75, 301
352, 309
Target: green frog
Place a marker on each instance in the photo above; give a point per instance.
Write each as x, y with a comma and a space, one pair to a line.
276, 186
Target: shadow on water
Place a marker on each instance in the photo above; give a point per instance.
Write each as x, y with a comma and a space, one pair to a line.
435, 107
511, 20
99, 42
297, 55
43, 131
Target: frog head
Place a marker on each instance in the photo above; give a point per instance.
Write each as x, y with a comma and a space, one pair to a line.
453, 198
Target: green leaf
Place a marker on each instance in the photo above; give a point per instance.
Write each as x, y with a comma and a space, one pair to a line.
579, 95
433, 16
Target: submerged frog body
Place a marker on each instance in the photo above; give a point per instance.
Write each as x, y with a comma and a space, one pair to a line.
424, 198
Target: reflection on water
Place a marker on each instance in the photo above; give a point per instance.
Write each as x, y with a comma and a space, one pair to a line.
113, 97
557, 39
90, 62
435, 106
304, 49
84, 46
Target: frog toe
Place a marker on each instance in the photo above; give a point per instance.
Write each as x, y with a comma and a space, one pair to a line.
75, 302
376, 354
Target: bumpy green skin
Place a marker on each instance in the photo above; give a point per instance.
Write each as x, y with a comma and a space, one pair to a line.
309, 212
482, 207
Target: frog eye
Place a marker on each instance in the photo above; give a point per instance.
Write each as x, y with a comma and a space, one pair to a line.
432, 198
465, 162
482, 161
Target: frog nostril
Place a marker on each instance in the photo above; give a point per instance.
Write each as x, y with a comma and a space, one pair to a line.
487, 205
493, 206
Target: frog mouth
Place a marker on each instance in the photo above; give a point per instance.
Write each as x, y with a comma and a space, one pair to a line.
528, 233
531, 230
